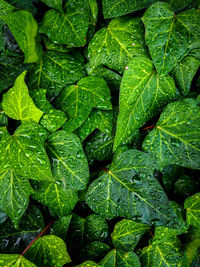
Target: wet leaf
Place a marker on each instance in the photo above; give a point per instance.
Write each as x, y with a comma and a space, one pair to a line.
192, 206
9, 260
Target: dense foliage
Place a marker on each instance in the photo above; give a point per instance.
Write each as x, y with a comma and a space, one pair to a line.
99, 133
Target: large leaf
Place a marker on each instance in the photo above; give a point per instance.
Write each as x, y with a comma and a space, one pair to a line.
49, 251
24, 28
52, 119
10, 260
69, 27
184, 73
168, 35
115, 45
127, 233
56, 4
55, 71
118, 258
18, 104
142, 95
79, 100
175, 139
68, 162
192, 206
130, 190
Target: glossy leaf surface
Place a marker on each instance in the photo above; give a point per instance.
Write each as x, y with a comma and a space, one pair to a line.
9, 260
192, 206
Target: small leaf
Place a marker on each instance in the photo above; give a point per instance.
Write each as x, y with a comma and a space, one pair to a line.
175, 139
57, 4
94, 251
117, 258
143, 93
88, 264
49, 251
17, 103
24, 28
9, 260
127, 233
139, 195
60, 226
79, 100
192, 206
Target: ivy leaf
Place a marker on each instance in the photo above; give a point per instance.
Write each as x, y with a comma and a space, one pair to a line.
192, 244
98, 119
192, 206
175, 139
9, 260
88, 264
117, 258
115, 45
52, 119
18, 104
184, 73
60, 226
79, 100
56, 4
139, 195
127, 233
71, 25
168, 35
69, 164
49, 251
55, 71
24, 28
94, 251
59, 199
143, 93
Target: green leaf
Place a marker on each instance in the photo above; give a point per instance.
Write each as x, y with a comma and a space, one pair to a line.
52, 119
192, 244
115, 45
55, 71
192, 206
24, 28
117, 258
59, 199
143, 93
18, 104
69, 27
3, 117
60, 227
184, 186
98, 119
56, 4
94, 251
88, 264
55, 47
12, 260
49, 251
139, 195
79, 100
127, 234
184, 73
168, 35
175, 139
69, 164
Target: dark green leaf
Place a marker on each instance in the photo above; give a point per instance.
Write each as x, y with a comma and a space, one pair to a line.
94, 251
3, 117
192, 206
192, 243
56, 4
60, 227
175, 139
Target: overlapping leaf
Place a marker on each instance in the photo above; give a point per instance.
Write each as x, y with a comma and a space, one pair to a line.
115, 45
168, 35
79, 100
192, 206
130, 190
175, 139
56, 4
142, 95
18, 104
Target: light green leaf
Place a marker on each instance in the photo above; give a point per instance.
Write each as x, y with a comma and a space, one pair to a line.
184, 73
69, 164
59, 199
71, 26
88, 264
52, 119
175, 139
192, 206
17, 103
49, 251
55, 71
98, 119
79, 100
15, 260
115, 45
56, 4
143, 93
130, 190
168, 35
118, 258
127, 234
24, 28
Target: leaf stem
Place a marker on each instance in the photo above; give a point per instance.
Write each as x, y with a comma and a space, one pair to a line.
42, 233
149, 127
